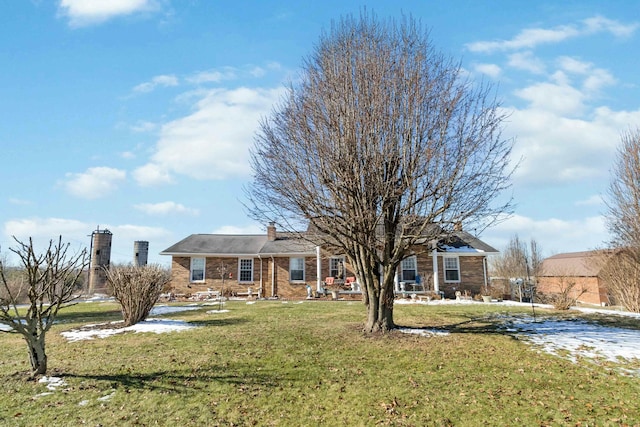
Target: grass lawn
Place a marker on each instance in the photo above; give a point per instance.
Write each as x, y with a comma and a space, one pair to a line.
293, 364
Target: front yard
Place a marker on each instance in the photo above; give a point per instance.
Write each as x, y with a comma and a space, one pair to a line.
307, 363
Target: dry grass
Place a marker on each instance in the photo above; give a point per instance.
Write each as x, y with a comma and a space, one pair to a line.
309, 364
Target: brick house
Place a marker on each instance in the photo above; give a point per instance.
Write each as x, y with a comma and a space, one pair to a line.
278, 264
578, 269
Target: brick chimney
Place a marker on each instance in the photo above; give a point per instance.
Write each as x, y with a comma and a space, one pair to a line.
271, 231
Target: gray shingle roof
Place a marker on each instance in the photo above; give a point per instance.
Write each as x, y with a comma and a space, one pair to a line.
244, 244
218, 244
288, 244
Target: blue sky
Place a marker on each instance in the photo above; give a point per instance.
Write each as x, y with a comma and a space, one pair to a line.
137, 115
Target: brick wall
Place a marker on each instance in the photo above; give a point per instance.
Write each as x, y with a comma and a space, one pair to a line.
471, 272
595, 291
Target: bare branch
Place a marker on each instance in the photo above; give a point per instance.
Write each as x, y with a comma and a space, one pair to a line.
381, 139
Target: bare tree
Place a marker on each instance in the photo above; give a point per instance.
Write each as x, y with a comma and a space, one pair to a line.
50, 280
563, 291
623, 201
519, 263
623, 221
620, 272
382, 147
137, 289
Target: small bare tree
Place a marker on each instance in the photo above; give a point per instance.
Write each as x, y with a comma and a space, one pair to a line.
518, 263
50, 280
382, 146
620, 272
137, 289
565, 293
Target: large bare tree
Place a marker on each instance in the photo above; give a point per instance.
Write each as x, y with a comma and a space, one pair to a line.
623, 221
381, 144
623, 201
50, 281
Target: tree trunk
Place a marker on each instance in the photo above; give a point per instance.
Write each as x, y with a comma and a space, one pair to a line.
379, 303
37, 355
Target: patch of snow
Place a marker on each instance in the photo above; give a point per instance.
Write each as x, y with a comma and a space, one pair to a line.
107, 397
157, 326
159, 310
52, 382
423, 332
580, 339
217, 311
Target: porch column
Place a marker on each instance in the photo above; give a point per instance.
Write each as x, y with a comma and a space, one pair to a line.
436, 284
318, 270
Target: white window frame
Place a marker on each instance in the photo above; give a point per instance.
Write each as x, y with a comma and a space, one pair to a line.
450, 267
293, 267
192, 269
336, 260
404, 267
244, 270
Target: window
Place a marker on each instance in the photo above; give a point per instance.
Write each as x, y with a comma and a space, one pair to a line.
246, 270
336, 267
409, 269
296, 269
197, 269
451, 269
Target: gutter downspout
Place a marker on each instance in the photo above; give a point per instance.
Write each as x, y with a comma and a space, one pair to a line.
484, 268
260, 290
436, 283
318, 270
273, 277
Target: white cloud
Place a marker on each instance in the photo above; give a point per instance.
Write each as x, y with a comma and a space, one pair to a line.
595, 200
599, 23
532, 37
95, 182
151, 175
526, 61
557, 98
213, 142
491, 70
212, 76
83, 12
165, 208
164, 80
144, 126
77, 234
557, 149
554, 235
594, 78
232, 229
46, 228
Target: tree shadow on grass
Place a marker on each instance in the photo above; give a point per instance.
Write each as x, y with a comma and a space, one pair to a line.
189, 381
471, 325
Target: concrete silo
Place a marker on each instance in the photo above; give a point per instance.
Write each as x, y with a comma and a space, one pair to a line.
140, 253
100, 259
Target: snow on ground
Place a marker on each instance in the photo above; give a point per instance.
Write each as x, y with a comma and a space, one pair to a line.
155, 325
570, 338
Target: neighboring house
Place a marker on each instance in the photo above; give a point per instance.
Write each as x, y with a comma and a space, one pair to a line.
579, 270
283, 265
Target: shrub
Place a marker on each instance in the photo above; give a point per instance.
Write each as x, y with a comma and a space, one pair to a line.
137, 289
